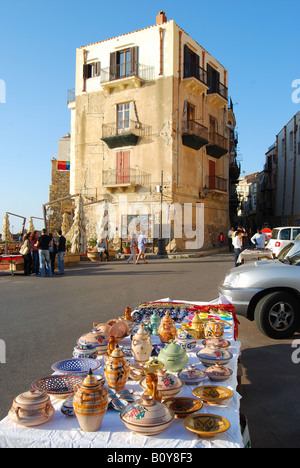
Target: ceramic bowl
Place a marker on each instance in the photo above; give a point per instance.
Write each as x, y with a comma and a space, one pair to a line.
136, 371
67, 408
146, 416
218, 373
31, 408
183, 406
206, 425
168, 384
98, 340
186, 340
85, 353
210, 356
213, 395
192, 375
76, 366
59, 386
216, 343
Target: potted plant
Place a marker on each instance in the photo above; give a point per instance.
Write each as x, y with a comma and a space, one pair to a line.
92, 252
126, 249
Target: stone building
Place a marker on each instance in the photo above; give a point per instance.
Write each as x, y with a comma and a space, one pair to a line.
150, 129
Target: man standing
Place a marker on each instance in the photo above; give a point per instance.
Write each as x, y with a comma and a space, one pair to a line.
61, 251
260, 239
44, 255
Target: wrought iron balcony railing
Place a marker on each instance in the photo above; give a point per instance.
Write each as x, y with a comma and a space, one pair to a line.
216, 183
125, 70
127, 176
125, 127
218, 88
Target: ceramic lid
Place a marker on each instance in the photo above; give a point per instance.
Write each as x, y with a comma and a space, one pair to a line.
166, 381
219, 370
216, 343
185, 336
141, 334
90, 382
192, 374
196, 319
32, 397
117, 353
119, 329
147, 412
173, 349
214, 354
167, 318
155, 318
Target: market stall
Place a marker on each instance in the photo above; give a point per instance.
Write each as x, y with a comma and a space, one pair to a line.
214, 401
249, 255
11, 262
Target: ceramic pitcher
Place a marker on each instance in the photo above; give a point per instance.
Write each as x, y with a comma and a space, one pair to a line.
214, 329
141, 346
90, 403
167, 329
116, 369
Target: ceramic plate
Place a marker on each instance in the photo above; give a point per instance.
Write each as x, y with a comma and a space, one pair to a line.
57, 385
206, 425
76, 366
213, 394
183, 406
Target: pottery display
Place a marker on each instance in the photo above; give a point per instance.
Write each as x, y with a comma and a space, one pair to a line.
206, 425
59, 386
119, 329
141, 346
186, 341
82, 352
136, 371
216, 343
167, 329
155, 321
153, 365
214, 329
183, 406
197, 326
218, 373
76, 366
67, 408
191, 375
173, 356
210, 356
96, 339
213, 394
168, 384
116, 369
90, 403
31, 408
152, 387
146, 416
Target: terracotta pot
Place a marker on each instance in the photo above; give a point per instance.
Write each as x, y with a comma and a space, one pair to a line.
90, 403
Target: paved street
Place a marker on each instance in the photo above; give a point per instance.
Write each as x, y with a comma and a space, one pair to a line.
41, 319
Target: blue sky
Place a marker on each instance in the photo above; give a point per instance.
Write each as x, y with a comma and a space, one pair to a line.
256, 41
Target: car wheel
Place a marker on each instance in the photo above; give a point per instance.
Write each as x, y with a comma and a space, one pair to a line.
277, 315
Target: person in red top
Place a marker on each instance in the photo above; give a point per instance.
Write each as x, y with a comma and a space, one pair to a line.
266, 230
221, 239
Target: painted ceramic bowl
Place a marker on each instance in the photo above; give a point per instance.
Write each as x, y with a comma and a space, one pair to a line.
59, 386
31, 408
192, 375
183, 406
168, 384
136, 371
186, 340
97, 339
80, 353
216, 343
67, 408
210, 356
218, 373
76, 366
206, 425
146, 416
213, 395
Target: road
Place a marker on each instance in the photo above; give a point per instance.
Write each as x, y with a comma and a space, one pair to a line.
41, 319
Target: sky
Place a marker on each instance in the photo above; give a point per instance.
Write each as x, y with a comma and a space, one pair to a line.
257, 42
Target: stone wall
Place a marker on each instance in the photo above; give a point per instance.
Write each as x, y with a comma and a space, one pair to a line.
59, 188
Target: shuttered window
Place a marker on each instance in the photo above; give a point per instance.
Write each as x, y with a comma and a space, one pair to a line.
191, 63
123, 167
90, 70
123, 63
213, 79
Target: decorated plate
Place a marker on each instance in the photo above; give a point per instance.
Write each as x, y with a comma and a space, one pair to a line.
57, 385
76, 366
183, 406
213, 394
206, 425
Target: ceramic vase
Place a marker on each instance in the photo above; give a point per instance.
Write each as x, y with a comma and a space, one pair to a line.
90, 403
141, 346
155, 321
167, 329
116, 369
214, 329
198, 326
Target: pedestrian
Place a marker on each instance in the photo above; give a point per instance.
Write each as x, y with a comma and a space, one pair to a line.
221, 239
141, 241
34, 254
52, 251
237, 243
102, 248
25, 250
44, 254
133, 245
61, 252
260, 239
230, 233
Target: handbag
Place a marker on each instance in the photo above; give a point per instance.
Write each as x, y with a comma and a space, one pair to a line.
24, 250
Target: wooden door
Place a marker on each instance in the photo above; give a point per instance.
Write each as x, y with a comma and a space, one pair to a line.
123, 167
212, 174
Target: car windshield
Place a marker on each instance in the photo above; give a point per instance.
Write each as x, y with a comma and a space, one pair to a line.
295, 259
283, 253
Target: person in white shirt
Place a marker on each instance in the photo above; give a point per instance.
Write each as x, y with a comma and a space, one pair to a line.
230, 234
237, 243
260, 239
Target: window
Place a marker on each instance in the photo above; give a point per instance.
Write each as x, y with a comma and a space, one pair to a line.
123, 63
123, 167
213, 80
90, 70
191, 63
123, 117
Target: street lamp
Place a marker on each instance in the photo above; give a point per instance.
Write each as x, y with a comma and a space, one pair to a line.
161, 241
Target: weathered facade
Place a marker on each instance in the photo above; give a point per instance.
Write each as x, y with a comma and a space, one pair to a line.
150, 108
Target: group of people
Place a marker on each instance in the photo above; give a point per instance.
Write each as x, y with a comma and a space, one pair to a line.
39, 253
139, 242
240, 238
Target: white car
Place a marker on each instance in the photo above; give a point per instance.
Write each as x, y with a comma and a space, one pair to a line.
267, 292
281, 236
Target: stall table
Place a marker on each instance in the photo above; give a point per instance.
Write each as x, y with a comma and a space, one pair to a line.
11, 261
64, 432
253, 255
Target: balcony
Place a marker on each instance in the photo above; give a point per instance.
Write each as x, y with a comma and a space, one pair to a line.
195, 82
216, 184
127, 75
124, 133
124, 178
217, 94
194, 135
218, 145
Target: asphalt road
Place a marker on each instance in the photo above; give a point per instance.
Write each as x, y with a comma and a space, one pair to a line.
41, 319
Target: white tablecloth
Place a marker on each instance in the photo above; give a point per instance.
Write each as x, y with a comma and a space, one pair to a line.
252, 255
64, 432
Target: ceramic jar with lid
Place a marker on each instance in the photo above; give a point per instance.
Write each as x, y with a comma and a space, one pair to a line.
146, 416
167, 384
192, 375
31, 408
167, 329
197, 326
153, 365
186, 341
155, 321
116, 369
173, 356
96, 339
214, 329
210, 356
218, 373
90, 403
141, 346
